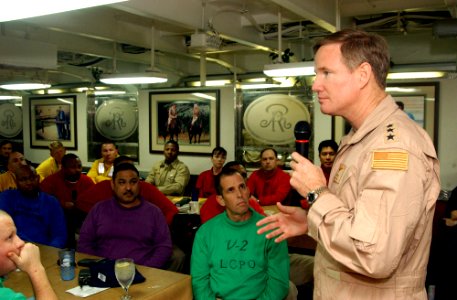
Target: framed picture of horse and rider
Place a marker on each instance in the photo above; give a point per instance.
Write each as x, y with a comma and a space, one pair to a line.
190, 117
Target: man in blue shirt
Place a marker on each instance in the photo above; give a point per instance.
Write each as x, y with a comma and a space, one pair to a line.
38, 216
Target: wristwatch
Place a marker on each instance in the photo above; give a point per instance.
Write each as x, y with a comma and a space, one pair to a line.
313, 195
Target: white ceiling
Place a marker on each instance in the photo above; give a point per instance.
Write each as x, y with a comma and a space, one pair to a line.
76, 46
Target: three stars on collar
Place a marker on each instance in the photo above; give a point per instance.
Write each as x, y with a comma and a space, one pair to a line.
390, 134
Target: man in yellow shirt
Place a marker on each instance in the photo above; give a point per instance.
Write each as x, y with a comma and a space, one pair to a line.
8, 179
102, 169
53, 163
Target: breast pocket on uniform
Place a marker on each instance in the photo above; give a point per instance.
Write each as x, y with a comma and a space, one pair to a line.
171, 176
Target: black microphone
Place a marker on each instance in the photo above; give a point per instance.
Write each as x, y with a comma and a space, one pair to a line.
302, 132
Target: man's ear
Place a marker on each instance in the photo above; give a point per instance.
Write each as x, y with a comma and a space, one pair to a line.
112, 184
220, 200
365, 73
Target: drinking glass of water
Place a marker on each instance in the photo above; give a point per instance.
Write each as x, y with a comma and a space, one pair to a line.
124, 268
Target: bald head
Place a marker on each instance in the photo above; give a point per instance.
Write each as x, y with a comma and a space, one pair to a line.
27, 180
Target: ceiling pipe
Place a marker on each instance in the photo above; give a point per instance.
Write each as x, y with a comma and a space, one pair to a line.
279, 36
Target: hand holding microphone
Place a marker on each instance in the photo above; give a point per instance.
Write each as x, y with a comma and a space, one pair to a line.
302, 132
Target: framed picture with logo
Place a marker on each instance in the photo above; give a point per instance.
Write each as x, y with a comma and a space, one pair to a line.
10, 121
53, 118
267, 118
190, 117
113, 118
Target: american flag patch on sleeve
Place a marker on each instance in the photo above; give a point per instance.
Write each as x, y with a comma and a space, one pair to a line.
390, 160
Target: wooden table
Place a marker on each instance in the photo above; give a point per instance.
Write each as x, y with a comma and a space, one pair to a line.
159, 284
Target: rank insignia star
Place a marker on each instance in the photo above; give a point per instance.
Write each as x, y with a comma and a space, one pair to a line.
390, 135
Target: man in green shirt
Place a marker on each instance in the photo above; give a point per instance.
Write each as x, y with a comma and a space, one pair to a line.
14, 253
229, 261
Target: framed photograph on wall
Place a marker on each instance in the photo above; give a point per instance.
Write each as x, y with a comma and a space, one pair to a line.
413, 106
190, 117
53, 118
10, 121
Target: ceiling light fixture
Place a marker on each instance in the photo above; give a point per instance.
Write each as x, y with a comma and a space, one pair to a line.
204, 96
25, 86
259, 86
415, 75
22, 9
305, 68
8, 97
220, 82
108, 92
134, 78
147, 77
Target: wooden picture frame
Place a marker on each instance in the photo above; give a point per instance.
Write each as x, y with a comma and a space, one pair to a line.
53, 118
189, 116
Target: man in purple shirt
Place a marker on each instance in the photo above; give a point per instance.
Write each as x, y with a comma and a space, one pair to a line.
126, 225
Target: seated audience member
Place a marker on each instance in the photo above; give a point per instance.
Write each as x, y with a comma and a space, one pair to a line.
126, 225
205, 181
66, 185
102, 169
14, 253
53, 164
170, 175
102, 191
38, 216
269, 184
6, 147
301, 266
212, 208
327, 152
229, 259
8, 179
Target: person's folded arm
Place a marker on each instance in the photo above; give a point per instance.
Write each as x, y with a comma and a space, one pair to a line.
281, 192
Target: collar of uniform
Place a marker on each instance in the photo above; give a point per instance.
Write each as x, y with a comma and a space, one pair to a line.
383, 111
173, 164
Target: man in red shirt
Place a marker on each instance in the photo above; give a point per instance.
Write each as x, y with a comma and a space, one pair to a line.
66, 185
327, 153
269, 184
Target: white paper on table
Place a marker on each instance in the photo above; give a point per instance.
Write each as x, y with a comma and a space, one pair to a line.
85, 290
